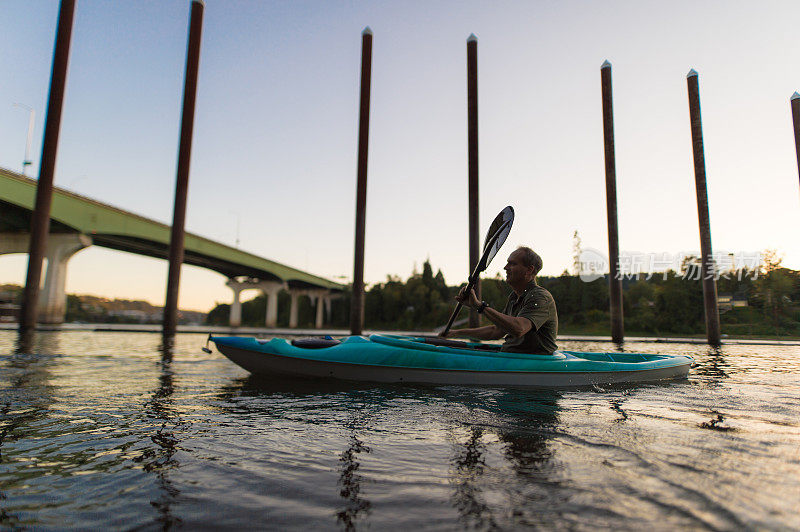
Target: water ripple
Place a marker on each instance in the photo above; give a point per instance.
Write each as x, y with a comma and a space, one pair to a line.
115, 430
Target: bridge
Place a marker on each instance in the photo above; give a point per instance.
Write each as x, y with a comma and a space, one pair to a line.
77, 222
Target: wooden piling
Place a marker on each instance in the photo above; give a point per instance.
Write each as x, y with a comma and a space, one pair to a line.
707, 267
357, 302
472, 165
40, 220
176, 243
614, 278
796, 123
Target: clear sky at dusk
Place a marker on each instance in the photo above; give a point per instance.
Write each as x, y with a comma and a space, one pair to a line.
275, 138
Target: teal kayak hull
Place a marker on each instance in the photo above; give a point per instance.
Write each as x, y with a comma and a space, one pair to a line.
385, 358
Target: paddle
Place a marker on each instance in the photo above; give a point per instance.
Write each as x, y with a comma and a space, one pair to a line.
498, 232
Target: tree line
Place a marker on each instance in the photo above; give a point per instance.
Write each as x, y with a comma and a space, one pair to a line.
665, 303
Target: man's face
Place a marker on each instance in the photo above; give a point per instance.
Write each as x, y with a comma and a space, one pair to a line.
516, 271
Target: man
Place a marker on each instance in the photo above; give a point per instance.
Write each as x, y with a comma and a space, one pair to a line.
529, 321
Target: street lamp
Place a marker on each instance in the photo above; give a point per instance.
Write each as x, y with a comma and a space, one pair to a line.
32, 118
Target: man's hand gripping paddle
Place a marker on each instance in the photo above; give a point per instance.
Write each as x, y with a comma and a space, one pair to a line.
498, 232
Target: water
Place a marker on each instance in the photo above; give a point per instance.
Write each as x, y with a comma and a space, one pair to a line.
99, 431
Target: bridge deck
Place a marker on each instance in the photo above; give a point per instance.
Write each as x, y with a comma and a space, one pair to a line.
122, 230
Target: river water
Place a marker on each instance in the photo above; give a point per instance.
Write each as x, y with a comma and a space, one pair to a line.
105, 430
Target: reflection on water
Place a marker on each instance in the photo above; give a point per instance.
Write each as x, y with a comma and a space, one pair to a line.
159, 458
350, 481
25, 402
504, 471
26, 338
714, 366
468, 468
526, 437
616, 406
118, 431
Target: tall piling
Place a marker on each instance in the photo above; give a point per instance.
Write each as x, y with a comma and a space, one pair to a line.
796, 123
40, 221
472, 165
357, 302
176, 242
708, 266
614, 278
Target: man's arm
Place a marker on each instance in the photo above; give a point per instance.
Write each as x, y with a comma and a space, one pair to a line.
515, 326
490, 332
503, 323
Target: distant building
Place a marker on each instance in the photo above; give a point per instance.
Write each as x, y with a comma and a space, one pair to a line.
727, 302
9, 310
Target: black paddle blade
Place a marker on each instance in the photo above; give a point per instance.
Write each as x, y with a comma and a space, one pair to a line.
496, 236
498, 232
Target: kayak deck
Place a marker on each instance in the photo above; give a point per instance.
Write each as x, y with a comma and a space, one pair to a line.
387, 358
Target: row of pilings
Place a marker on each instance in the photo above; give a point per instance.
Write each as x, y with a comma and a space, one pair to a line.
711, 310
40, 220
41, 215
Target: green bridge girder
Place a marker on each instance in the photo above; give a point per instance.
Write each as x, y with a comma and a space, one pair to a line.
115, 228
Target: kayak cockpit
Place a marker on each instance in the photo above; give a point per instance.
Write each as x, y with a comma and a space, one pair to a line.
444, 345
625, 358
440, 345
316, 342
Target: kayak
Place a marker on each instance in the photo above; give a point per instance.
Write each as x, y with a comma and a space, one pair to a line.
417, 359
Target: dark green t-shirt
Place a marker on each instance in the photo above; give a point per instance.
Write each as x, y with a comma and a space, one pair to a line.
538, 305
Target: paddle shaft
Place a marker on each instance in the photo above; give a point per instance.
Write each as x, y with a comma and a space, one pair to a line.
454, 315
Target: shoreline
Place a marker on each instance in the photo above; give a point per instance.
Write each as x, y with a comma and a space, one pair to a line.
264, 331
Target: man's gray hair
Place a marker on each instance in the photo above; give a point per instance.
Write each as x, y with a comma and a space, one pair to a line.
530, 258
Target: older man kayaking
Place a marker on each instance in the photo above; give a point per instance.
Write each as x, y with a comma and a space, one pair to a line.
529, 321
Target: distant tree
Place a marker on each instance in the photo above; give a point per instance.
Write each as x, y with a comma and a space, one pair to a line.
441, 286
679, 303
219, 315
774, 286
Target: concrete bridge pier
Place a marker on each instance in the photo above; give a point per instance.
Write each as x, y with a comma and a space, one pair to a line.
271, 289
52, 303
312, 295
323, 302
235, 318
327, 301
320, 312
53, 299
293, 308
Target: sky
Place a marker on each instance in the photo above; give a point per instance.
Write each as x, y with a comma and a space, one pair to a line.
276, 129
